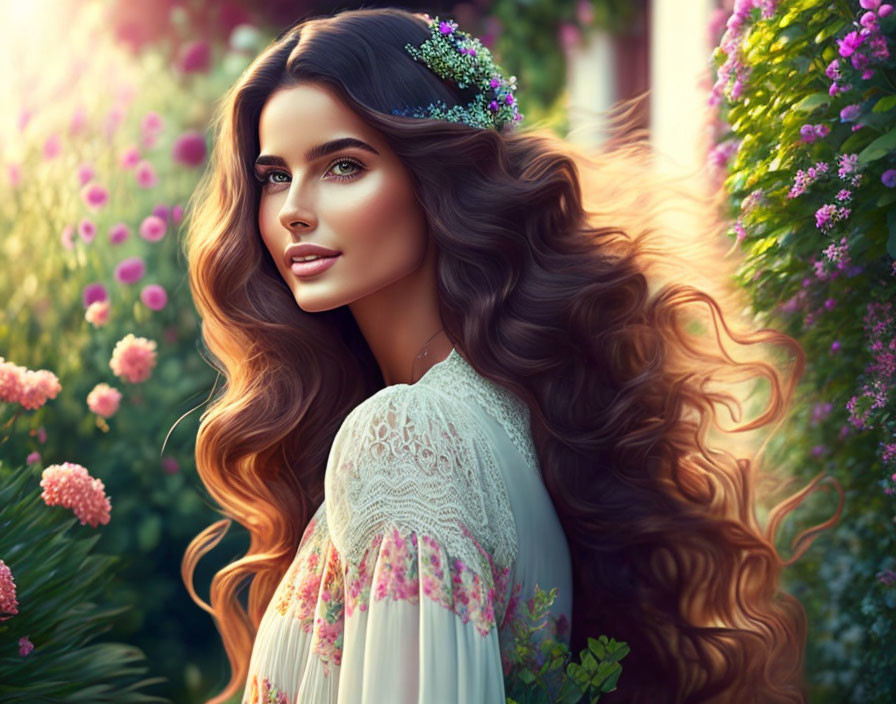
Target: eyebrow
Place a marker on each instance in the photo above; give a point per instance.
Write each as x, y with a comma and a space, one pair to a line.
318, 151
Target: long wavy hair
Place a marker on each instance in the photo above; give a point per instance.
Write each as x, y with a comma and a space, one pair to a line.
569, 276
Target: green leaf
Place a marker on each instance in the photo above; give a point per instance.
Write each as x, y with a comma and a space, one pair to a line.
810, 102
880, 147
888, 102
829, 30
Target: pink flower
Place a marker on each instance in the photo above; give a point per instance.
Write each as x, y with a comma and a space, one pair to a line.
29, 388
194, 57
849, 113
152, 229
104, 400
94, 292
146, 175
118, 233
130, 157
52, 147
152, 123
24, 119
884, 11
97, 313
568, 35
87, 230
130, 270
869, 4
170, 465
71, 486
14, 174
78, 121
8, 603
25, 646
95, 196
161, 210
154, 296
189, 149
33, 457
177, 214
113, 120
133, 358
85, 174
11, 381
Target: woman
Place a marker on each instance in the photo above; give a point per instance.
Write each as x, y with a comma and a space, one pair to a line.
468, 394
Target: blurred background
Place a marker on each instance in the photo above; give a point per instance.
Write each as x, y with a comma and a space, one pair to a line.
104, 133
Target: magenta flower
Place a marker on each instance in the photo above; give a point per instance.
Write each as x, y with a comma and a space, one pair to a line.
161, 210
52, 147
133, 358
104, 400
85, 174
154, 296
189, 149
95, 196
152, 123
884, 11
129, 158
850, 113
888, 178
9, 605
153, 228
33, 457
130, 270
94, 292
850, 43
25, 646
118, 233
869, 4
146, 175
87, 230
194, 57
71, 486
177, 214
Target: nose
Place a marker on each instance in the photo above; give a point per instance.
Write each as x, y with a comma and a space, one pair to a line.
296, 213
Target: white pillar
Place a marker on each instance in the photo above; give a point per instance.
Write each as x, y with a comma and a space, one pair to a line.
591, 88
679, 58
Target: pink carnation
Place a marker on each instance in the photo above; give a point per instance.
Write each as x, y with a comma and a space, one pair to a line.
154, 297
94, 292
87, 230
85, 174
97, 313
11, 381
146, 175
130, 157
130, 270
152, 229
95, 196
29, 388
104, 400
25, 646
133, 358
9, 605
118, 233
189, 149
71, 486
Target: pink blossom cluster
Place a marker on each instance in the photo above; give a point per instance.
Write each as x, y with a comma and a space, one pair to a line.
71, 486
9, 604
880, 373
849, 169
104, 400
29, 388
861, 46
133, 358
828, 215
730, 45
820, 411
838, 253
806, 178
810, 133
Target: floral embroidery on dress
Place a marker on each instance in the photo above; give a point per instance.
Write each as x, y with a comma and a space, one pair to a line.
300, 586
266, 694
328, 635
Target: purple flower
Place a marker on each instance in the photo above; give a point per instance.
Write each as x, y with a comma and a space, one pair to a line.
119, 233
154, 296
161, 211
194, 57
850, 113
807, 133
447, 27
130, 270
869, 4
850, 43
888, 178
94, 292
884, 11
87, 230
189, 149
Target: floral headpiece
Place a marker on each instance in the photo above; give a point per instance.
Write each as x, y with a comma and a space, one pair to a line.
455, 55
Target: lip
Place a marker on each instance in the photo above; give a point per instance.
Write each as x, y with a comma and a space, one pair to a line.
313, 267
306, 249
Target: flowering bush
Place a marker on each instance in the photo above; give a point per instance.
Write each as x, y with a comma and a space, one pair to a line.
806, 94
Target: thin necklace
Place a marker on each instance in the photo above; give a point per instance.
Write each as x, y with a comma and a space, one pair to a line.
424, 352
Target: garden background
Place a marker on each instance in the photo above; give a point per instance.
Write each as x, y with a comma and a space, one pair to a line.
104, 132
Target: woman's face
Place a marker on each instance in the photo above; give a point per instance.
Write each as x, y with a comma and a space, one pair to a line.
356, 199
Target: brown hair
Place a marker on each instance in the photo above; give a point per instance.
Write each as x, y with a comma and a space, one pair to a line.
561, 303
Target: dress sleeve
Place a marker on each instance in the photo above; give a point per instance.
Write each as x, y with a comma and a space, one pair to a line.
426, 572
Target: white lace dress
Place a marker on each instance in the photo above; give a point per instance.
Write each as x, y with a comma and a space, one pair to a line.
435, 525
